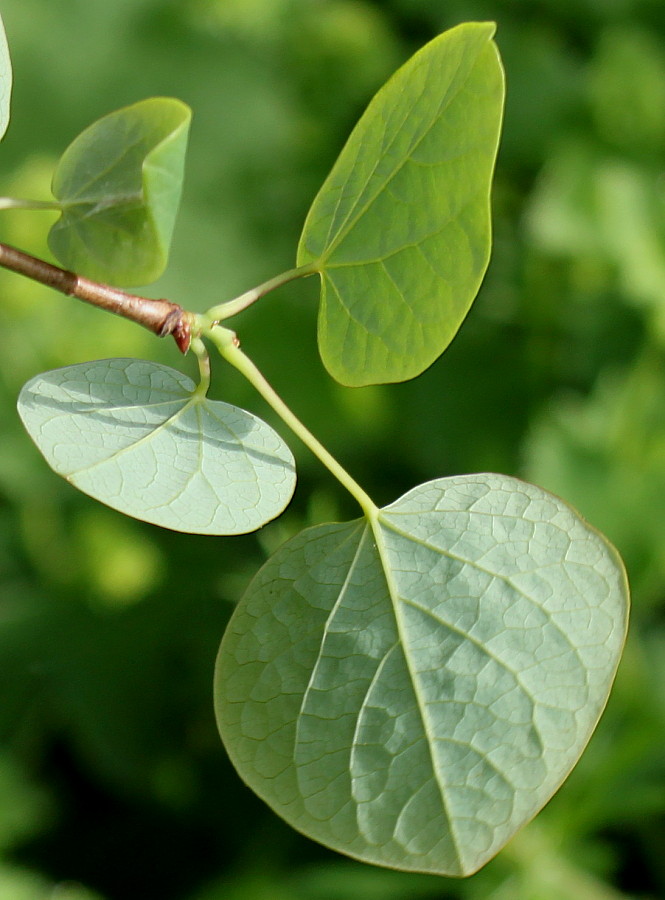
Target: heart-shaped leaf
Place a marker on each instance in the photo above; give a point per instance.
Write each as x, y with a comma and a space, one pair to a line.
119, 185
412, 689
140, 438
400, 230
5, 81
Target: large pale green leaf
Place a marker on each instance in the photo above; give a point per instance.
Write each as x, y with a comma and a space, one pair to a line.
400, 230
137, 436
411, 690
5, 81
119, 184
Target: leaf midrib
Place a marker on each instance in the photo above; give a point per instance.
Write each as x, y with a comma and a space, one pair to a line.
352, 219
79, 195
412, 245
144, 438
127, 201
121, 407
375, 523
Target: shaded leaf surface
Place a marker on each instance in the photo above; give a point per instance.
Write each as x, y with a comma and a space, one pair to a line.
411, 691
400, 230
134, 435
5, 81
119, 183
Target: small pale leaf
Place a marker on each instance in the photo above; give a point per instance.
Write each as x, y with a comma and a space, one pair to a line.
138, 437
119, 184
400, 230
411, 690
5, 81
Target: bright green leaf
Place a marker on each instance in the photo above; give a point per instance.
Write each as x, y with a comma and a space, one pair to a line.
137, 436
400, 230
5, 81
119, 184
412, 690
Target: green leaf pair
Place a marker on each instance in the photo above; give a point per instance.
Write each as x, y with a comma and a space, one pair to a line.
399, 232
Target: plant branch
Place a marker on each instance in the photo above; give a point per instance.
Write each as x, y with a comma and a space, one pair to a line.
227, 343
232, 307
162, 317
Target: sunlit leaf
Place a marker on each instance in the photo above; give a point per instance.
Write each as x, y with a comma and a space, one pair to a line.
137, 436
5, 81
411, 690
119, 184
400, 230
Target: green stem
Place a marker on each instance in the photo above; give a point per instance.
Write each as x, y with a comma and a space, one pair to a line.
199, 349
227, 344
232, 307
16, 203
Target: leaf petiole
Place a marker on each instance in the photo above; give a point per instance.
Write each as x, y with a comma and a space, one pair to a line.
199, 349
227, 344
233, 307
17, 203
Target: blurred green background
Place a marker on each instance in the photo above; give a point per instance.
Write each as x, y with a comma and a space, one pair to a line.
113, 783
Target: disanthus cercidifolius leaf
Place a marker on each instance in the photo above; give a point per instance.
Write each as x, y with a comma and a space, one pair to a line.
5, 81
411, 690
400, 230
140, 438
119, 185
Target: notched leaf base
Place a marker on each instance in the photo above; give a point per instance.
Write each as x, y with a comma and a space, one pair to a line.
412, 690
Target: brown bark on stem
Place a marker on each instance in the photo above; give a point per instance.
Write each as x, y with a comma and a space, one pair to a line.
159, 316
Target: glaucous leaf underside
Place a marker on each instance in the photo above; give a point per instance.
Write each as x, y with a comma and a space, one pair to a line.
412, 690
400, 230
119, 184
140, 438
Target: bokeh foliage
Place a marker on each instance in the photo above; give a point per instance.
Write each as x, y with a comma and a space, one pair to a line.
113, 783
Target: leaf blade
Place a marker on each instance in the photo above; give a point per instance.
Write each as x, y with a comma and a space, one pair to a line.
383, 694
401, 235
136, 436
5, 81
119, 183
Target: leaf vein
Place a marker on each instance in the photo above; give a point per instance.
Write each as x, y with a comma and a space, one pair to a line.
350, 222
